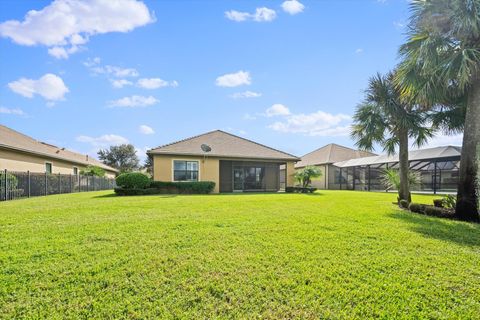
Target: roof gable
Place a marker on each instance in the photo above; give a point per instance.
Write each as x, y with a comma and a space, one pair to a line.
223, 144
20, 142
331, 153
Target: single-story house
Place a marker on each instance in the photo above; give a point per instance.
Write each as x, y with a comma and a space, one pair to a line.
235, 164
21, 153
324, 158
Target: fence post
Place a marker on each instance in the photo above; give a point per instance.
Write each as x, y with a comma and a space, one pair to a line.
71, 191
59, 183
28, 182
87, 183
46, 182
6, 182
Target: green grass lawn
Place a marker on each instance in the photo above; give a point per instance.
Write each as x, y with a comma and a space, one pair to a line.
334, 254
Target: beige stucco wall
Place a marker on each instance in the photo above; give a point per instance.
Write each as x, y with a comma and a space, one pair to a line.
16, 161
290, 179
209, 169
322, 182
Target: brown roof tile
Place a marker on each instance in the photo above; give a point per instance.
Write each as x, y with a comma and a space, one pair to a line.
223, 144
14, 140
331, 153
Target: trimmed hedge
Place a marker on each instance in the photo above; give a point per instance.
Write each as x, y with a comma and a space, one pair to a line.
187, 187
432, 210
300, 190
161, 187
417, 208
133, 180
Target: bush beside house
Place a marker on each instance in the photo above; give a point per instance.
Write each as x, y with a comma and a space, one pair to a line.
137, 183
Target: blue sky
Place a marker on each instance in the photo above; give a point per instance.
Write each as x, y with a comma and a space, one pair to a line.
154, 72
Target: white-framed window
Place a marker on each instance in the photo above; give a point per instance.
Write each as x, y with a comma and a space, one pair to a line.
48, 167
185, 170
75, 171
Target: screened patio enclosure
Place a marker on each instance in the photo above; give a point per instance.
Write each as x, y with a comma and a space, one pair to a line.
438, 170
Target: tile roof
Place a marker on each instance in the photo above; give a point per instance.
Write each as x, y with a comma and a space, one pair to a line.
331, 153
14, 140
223, 144
415, 155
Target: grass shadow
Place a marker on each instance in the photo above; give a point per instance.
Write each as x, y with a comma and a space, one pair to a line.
462, 233
113, 195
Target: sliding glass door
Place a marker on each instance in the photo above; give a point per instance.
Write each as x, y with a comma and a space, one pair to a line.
248, 178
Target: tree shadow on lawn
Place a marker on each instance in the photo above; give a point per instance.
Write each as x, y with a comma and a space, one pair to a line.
462, 233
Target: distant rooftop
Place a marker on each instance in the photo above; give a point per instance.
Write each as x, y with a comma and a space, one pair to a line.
223, 144
14, 140
415, 155
331, 153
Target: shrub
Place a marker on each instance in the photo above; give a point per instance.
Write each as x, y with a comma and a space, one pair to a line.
449, 201
12, 180
438, 203
403, 204
133, 180
417, 207
187, 187
306, 175
93, 171
438, 212
300, 190
390, 178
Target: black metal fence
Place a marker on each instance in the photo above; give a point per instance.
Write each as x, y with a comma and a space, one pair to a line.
18, 185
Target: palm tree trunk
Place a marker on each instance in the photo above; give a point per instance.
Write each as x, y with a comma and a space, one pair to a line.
468, 185
404, 190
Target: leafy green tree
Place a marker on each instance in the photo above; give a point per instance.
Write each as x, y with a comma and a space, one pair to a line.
93, 171
387, 119
148, 165
122, 157
305, 175
441, 59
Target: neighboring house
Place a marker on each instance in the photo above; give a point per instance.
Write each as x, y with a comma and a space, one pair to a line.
437, 169
324, 158
235, 164
22, 153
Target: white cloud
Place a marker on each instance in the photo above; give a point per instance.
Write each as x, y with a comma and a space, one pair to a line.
277, 110
237, 15
248, 116
444, 140
292, 7
49, 86
246, 94
234, 79
120, 83
133, 102
155, 83
13, 111
314, 124
114, 71
262, 14
64, 25
103, 141
359, 50
144, 129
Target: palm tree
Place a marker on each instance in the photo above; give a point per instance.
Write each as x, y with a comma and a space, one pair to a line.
441, 57
387, 119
